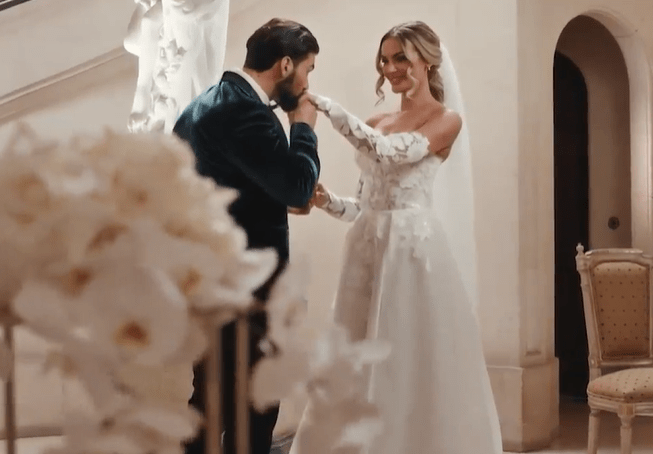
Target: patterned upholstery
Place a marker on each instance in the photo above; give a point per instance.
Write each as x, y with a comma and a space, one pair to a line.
621, 294
627, 386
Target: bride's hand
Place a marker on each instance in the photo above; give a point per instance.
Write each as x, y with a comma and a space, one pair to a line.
311, 97
320, 102
320, 196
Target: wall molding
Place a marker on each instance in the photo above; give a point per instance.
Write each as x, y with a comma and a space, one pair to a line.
67, 85
54, 430
82, 78
6, 4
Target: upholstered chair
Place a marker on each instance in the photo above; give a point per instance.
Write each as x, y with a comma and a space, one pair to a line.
616, 286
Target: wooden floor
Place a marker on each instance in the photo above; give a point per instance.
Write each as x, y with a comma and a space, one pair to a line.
572, 438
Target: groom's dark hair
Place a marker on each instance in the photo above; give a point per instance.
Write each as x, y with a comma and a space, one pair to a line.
276, 39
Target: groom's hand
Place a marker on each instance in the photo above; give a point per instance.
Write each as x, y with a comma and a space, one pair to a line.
321, 196
301, 211
304, 113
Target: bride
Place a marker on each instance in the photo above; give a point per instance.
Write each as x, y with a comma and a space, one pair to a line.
410, 261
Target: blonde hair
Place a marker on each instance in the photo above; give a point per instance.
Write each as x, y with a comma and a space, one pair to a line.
427, 45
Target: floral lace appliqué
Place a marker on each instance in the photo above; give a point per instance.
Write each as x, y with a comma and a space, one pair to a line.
398, 148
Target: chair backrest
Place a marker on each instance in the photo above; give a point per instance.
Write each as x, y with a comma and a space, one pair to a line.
616, 286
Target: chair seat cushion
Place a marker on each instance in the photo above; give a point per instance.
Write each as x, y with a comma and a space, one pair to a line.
630, 385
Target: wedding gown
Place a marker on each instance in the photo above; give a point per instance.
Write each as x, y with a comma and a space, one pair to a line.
400, 283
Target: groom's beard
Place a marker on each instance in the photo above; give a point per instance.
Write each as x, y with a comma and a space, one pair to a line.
286, 99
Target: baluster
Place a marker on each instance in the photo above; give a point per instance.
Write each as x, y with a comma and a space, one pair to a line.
10, 396
242, 385
213, 402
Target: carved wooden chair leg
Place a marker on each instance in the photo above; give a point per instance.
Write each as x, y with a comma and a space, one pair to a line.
626, 432
593, 432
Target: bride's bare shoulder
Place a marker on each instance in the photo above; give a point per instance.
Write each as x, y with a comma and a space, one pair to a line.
377, 118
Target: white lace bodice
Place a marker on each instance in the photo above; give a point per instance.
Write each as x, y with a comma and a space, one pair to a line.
397, 171
396, 187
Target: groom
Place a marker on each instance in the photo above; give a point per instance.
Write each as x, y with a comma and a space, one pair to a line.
240, 143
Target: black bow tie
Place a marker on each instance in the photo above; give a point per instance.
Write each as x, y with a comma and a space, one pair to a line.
273, 106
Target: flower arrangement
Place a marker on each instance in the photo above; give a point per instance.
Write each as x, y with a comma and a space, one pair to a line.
115, 250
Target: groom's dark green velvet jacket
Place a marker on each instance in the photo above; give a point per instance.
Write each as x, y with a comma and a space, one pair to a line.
241, 144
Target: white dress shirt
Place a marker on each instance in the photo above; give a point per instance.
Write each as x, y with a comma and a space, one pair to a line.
257, 88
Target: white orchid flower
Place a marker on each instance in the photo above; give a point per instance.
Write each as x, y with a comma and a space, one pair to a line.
161, 385
338, 417
120, 254
287, 304
275, 378
91, 433
135, 312
345, 428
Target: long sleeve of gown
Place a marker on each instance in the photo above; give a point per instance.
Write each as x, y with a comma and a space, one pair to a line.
345, 208
399, 148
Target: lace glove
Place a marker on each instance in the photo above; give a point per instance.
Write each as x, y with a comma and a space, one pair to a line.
344, 208
399, 148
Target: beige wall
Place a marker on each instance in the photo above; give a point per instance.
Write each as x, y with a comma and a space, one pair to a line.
503, 51
349, 33
82, 109
39, 39
540, 23
345, 72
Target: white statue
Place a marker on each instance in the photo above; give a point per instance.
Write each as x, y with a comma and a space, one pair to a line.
143, 41
181, 46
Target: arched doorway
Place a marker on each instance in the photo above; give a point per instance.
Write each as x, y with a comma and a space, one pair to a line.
592, 154
571, 207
